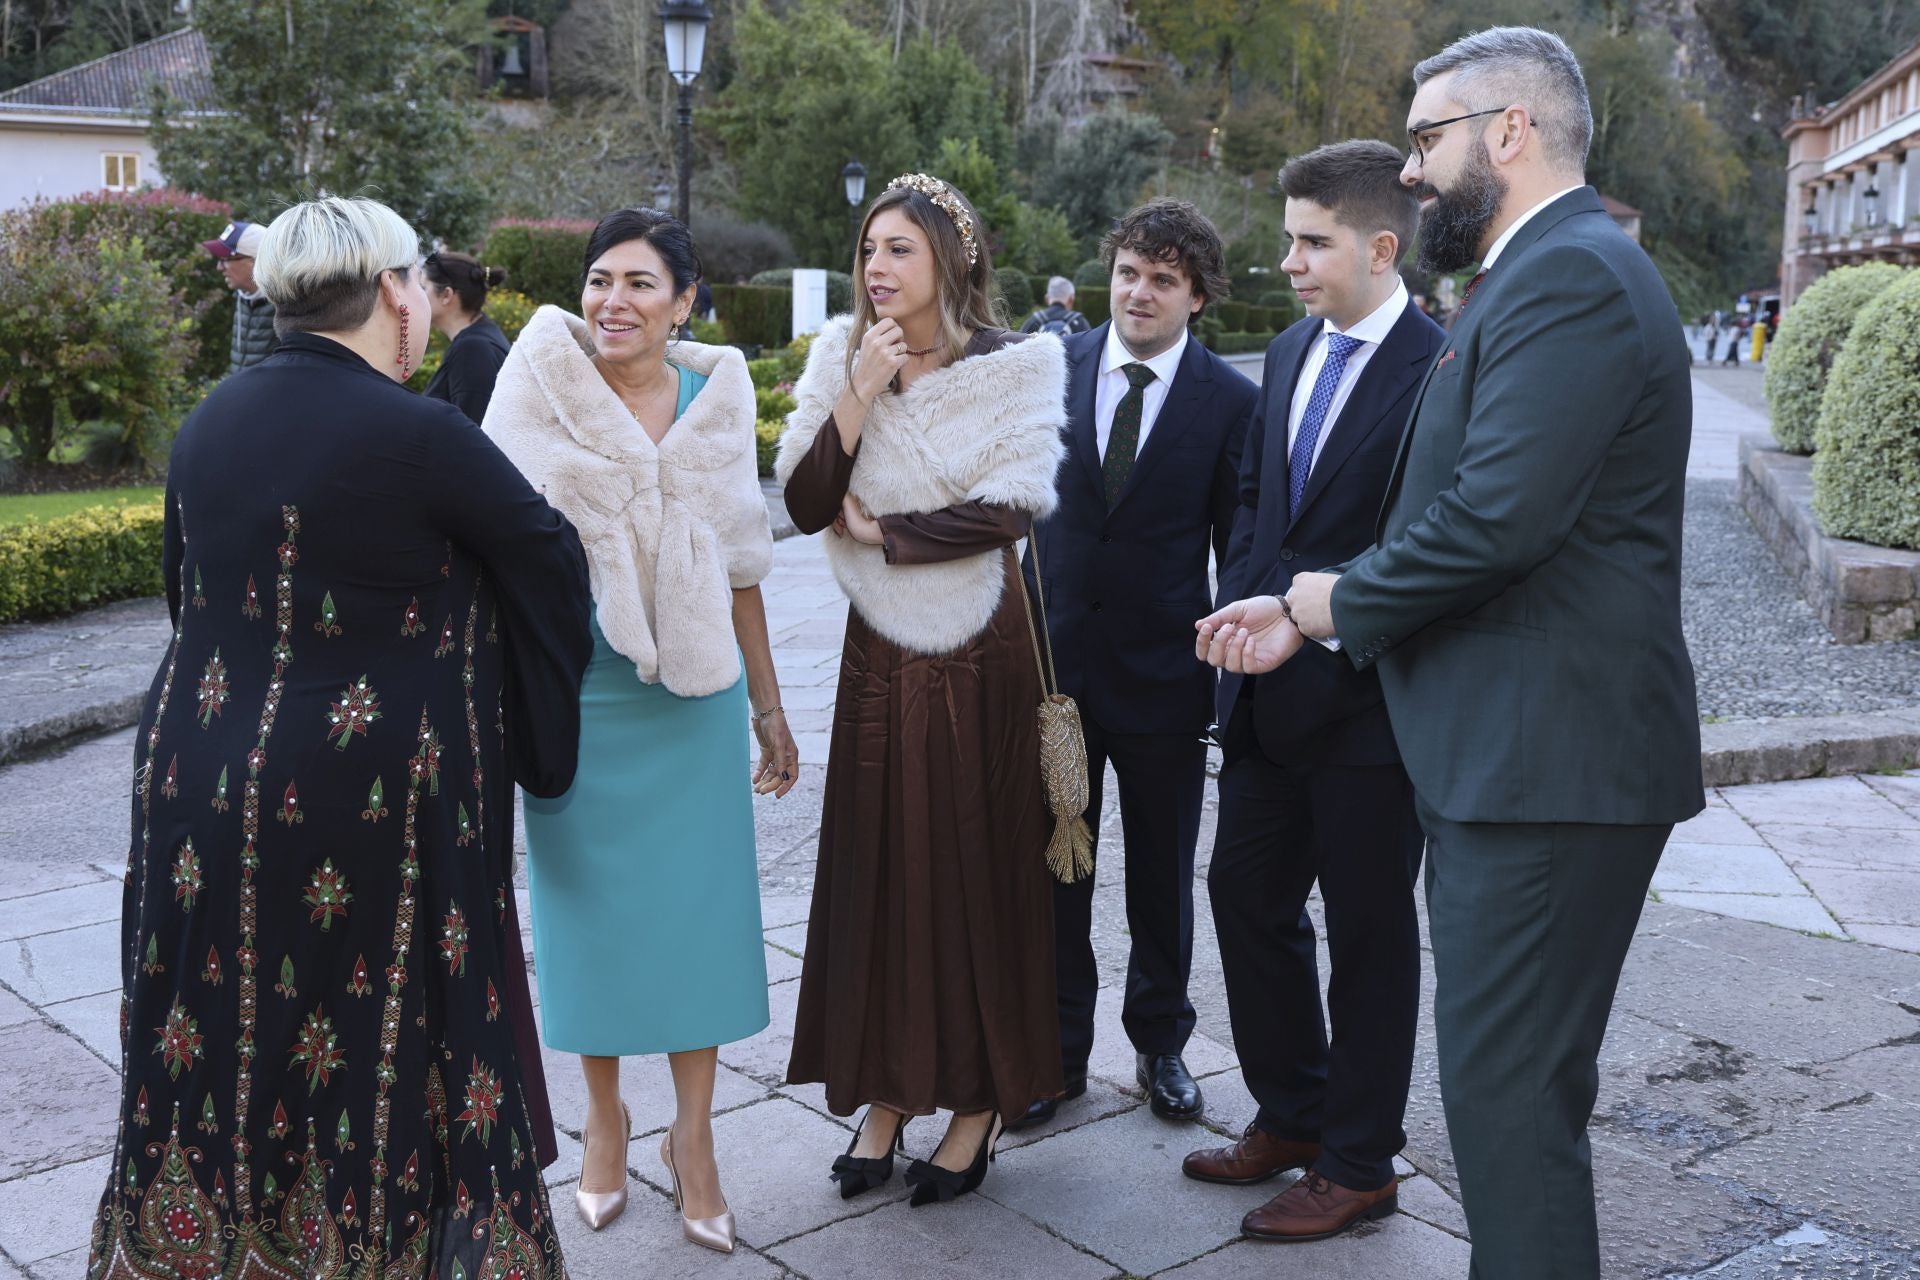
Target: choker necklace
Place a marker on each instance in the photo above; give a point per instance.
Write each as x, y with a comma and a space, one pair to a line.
929, 351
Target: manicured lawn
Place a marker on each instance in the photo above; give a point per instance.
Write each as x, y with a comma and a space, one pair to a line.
15, 508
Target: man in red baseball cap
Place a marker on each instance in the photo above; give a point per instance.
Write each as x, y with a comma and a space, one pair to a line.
253, 335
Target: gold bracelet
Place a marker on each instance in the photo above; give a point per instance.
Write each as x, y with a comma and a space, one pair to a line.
762, 715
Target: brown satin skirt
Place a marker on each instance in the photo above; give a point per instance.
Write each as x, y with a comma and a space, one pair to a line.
928, 981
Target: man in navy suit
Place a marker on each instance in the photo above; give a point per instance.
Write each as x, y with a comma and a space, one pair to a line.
1312, 787
1147, 491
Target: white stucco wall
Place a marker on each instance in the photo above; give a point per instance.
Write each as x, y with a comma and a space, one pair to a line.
55, 161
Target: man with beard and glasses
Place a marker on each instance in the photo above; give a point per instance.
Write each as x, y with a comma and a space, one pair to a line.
1522, 605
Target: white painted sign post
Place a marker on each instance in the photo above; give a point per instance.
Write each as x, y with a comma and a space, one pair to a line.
809, 299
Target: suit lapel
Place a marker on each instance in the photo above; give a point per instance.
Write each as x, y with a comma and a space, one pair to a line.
1292, 359
1388, 373
1082, 377
1581, 200
1186, 399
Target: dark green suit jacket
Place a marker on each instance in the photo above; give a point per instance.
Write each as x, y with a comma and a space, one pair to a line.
1523, 601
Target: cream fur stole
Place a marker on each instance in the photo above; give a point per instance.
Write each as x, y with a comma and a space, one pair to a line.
987, 428
669, 529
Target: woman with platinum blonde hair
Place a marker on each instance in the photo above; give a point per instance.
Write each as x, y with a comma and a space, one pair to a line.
925, 442
328, 1060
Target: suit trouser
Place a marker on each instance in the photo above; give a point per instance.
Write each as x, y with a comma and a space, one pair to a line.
1353, 829
1163, 780
1530, 925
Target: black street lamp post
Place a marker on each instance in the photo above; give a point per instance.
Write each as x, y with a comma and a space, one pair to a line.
685, 22
854, 175
1871, 198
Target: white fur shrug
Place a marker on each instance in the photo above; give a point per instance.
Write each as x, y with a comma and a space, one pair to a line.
669, 529
984, 429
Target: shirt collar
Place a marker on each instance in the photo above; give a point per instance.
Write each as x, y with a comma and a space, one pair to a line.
1164, 365
1379, 322
1486, 263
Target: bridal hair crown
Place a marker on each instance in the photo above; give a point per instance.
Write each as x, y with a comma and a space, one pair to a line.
943, 195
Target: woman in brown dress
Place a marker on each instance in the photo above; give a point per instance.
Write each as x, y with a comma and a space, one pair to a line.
926, 439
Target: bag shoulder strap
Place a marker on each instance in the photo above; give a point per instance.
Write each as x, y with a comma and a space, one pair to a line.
1049, 678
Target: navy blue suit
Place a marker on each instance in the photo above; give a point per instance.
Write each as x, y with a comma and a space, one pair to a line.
1312, 788
1123, 590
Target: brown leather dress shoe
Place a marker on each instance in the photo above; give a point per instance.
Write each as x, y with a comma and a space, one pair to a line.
1258, 1156
1314, 1209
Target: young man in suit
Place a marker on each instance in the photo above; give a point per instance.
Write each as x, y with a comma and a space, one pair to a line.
1312, 787
1523, 609
1155, 424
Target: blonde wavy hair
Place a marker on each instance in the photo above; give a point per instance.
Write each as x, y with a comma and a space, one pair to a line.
963, 292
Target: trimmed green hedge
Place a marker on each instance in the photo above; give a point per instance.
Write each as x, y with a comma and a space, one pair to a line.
1016, 294
1238, 343
88, 558
1095, 305
1866, 464
1233, 316
1812, 332
542, 258
752, 314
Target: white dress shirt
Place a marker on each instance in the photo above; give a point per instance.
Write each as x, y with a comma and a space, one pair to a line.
1370, 332
1112, 386
1486, 263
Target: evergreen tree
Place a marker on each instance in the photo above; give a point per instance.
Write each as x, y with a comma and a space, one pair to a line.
354, 97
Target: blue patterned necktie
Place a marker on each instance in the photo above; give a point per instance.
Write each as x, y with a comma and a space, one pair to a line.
1340, 348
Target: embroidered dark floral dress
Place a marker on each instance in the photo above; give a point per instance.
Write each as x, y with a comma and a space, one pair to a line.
379, 627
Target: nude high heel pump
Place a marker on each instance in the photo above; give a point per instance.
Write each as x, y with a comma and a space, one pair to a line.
601, 1207
714, 1233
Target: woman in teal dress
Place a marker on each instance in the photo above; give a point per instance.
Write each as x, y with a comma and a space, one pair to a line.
645, 888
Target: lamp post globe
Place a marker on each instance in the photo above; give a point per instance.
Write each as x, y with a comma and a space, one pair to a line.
1871, 198
855, 177
685, 25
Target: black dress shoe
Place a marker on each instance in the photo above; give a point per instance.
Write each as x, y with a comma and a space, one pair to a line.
1171, 1090
1045, 1109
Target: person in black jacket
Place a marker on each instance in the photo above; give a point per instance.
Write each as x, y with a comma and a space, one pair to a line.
457, 287
1058, 317
1148, 490
1312, 787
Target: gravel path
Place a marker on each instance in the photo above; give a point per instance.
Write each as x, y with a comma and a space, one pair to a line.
1758, 650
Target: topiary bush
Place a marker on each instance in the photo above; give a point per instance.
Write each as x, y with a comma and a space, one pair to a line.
90, 557
1016, 295
1866, 464
754, 315
1096, 305
1280, 298
1233, 316
1812, 333
1091, 272
542, 257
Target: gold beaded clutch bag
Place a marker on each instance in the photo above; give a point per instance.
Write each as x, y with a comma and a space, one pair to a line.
1063, 750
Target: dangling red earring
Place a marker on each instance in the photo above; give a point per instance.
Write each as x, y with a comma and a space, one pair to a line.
406, 370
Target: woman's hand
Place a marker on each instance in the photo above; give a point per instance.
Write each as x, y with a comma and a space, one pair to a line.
854, 522
883, 354
779, 766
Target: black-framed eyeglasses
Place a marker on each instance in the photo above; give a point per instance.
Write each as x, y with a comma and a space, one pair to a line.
1413, 135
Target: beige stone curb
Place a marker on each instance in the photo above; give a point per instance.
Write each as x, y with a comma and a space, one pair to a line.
1743, 751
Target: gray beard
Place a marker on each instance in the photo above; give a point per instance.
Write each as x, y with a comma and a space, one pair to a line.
1453, 226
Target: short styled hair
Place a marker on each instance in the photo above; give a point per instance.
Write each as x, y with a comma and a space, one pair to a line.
1505, 65
1359, 182
320, 262
1059, 289
1175, 232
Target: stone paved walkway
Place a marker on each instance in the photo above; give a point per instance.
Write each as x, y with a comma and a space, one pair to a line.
1760, 1091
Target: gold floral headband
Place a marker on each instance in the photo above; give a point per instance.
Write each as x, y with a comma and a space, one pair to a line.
943, 195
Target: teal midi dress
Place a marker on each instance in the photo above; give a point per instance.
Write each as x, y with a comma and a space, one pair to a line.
643, 876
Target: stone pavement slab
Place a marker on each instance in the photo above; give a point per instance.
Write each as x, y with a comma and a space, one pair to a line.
1808, 1253
1402, 1248
45, 1215
51, 1093
967, 1239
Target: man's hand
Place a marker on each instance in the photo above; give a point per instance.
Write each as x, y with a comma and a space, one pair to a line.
1247, 637
1311, 598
